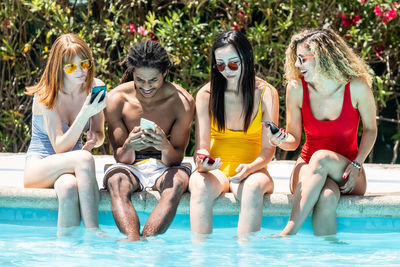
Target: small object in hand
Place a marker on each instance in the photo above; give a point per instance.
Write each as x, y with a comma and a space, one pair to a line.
272, 126
98, 90
202, 157
147, 125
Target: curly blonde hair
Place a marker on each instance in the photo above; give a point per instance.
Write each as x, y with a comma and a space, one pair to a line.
334, 58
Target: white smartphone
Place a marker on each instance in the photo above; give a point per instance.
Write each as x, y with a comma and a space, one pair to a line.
147, 125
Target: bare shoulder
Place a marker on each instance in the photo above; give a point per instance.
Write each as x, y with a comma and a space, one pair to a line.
270, 91
294, 91
359, 87
184, 97
116, 97
203, 95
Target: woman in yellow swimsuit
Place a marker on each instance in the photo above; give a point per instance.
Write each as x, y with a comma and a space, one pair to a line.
229, 112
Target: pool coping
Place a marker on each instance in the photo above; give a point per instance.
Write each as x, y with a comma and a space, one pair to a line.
277, 204
381, 200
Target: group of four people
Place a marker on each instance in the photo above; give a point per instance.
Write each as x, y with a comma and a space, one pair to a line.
328, 90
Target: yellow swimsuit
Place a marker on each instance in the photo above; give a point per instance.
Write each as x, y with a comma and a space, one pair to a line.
237, 147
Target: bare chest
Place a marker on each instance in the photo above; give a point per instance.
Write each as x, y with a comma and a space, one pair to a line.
163, 114
234, 112
68, 109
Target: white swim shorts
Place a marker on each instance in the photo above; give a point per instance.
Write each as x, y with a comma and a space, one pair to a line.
146, 170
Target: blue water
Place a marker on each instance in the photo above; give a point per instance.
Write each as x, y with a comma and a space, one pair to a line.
29, 238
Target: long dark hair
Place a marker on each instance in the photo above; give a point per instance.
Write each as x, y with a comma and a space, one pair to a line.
246, 80
149, 54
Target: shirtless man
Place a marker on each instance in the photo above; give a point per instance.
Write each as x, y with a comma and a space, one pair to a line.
147, 158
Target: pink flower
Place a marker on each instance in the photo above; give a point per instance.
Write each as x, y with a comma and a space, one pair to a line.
379, 50
356, 19
388, 16
378, 11
141, 30
345, 20
395, 5
362, 2
391, 14
242, 16
236, 26
348, 37
132, 28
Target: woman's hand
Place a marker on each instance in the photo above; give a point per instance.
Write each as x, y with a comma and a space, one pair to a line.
91, 140
243, 171
91, 109
203, 165
350, 174
278, 138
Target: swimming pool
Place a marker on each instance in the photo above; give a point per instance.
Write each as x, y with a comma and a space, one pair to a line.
29, 238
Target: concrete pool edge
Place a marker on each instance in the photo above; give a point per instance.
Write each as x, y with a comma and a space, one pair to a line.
277, 204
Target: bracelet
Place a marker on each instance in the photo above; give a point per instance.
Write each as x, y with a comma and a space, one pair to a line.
356, 164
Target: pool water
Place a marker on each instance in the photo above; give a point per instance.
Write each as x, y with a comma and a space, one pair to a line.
29, 238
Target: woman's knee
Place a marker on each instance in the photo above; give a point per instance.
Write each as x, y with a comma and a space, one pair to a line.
327, 201
258, 184
67, 189
83, 159
320, 160
200, 187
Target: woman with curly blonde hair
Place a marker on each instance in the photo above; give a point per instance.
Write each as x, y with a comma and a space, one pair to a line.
328, 90
63, 109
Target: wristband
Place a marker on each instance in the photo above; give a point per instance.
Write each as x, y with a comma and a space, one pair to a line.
356, 164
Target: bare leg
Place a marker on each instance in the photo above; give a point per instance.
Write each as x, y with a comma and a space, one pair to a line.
205, 188
324, 214
121, 183
42, 173
68, 201
250, 193
312, 178
172, 184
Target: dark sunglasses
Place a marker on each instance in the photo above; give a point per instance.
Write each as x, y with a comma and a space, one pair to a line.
303, 59
231, 65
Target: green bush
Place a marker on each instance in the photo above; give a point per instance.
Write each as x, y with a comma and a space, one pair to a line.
186, 29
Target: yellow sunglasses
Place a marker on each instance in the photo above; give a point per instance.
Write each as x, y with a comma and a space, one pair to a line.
71, 67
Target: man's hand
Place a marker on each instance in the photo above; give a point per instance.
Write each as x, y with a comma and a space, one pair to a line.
156, 139
136, 139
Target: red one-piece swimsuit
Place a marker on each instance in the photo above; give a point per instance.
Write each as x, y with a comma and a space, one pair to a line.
339, 135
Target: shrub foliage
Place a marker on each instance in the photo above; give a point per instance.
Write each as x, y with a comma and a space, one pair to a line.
186, 28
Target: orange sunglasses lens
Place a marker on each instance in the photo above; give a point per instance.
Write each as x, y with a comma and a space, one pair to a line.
71, 67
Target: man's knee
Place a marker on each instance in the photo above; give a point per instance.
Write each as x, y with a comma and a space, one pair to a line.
176, 179
118, 183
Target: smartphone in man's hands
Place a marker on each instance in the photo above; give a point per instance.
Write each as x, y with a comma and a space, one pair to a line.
202, 157
272, 126
98, 90
147, 125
